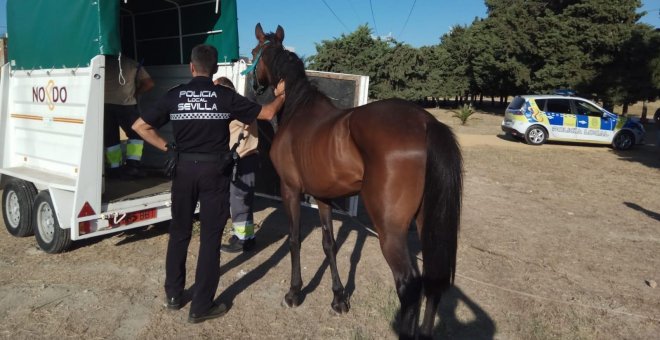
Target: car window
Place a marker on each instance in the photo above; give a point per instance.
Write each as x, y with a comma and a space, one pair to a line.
540, 103
558, 106
584, 108
516, 103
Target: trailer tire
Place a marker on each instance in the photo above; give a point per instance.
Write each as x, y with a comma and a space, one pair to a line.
50, 237
17, 200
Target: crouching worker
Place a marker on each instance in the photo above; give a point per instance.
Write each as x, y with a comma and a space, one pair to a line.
200, 113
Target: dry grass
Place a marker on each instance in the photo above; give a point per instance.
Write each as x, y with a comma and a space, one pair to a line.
556, 242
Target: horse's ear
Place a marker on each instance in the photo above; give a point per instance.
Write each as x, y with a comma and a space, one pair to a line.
279, 33
259, 33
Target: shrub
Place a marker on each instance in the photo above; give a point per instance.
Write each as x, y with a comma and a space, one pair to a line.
464, 113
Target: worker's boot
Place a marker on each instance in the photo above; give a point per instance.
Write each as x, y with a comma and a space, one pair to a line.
133, 169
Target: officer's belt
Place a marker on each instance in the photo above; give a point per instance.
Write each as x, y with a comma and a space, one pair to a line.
199, 157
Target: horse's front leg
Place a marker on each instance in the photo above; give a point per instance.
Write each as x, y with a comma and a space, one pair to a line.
291, 201
340, 302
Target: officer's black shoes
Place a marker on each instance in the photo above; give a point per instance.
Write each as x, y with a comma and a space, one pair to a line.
216, 311
173, 302
237, 245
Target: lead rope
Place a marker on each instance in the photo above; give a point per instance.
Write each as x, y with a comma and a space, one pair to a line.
122, 80
259, 89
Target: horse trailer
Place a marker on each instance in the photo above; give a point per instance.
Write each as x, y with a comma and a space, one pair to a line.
51, 109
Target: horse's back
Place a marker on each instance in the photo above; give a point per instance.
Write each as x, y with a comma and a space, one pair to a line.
316, 153
389, 125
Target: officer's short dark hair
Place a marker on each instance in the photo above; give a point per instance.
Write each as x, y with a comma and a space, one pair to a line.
204, 58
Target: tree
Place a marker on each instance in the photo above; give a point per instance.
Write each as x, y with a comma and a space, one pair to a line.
522, 46
357, 52
634, 73
455, 70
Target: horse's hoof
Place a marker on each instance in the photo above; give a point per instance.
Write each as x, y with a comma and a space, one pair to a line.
291, 300
340, 308
341, 304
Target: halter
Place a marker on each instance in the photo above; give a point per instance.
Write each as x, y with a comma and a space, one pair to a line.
253, 68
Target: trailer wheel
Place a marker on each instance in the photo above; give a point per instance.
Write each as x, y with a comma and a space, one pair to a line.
50, 237
17, 199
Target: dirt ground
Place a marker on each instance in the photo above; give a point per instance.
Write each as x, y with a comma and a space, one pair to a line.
557, 241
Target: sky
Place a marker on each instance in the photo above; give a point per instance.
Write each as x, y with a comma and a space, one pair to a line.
418, 23
309, 22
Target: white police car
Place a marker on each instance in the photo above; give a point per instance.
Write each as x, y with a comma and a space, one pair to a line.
539, 118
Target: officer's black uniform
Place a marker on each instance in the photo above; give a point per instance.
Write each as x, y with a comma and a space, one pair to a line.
200, 113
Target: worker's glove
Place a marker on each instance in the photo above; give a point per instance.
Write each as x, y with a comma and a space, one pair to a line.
172, 159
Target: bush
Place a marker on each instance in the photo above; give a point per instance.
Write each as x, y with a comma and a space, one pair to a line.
464, 114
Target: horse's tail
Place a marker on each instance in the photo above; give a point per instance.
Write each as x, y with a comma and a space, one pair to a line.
441, 207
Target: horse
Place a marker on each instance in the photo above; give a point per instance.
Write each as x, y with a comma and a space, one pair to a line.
403, 162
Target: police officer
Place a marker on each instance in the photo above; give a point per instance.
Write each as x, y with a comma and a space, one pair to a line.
200, 113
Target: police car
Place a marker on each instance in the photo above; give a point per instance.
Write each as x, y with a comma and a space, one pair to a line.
539, 118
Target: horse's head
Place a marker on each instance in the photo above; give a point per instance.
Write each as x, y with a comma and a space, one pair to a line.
272, 63
262, 54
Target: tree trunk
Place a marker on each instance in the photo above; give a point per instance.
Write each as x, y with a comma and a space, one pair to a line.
644, 111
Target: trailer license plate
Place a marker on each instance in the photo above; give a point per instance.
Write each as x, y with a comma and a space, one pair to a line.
134, 217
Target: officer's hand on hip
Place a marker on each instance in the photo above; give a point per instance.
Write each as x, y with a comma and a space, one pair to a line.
172, 159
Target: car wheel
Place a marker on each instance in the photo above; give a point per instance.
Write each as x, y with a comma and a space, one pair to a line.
624, 140
17, 199
50, 237
536, 135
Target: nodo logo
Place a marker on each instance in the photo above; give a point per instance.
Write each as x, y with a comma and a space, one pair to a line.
49, 94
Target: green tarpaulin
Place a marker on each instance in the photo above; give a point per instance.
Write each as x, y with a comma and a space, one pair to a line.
56, 33
46, 34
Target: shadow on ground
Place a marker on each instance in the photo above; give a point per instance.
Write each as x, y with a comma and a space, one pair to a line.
275, 229
477, 326
651, 214
480, 325
647, 154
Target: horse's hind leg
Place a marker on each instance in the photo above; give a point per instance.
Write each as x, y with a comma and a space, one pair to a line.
432, 298
340, 302
291, 201
406, 278
426, 329
392, 222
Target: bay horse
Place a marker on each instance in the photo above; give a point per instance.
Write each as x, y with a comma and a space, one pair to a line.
404, 163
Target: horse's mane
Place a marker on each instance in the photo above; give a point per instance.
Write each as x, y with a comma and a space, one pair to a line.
300, 91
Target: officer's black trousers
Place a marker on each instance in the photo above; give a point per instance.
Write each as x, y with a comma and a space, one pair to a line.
197, 181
